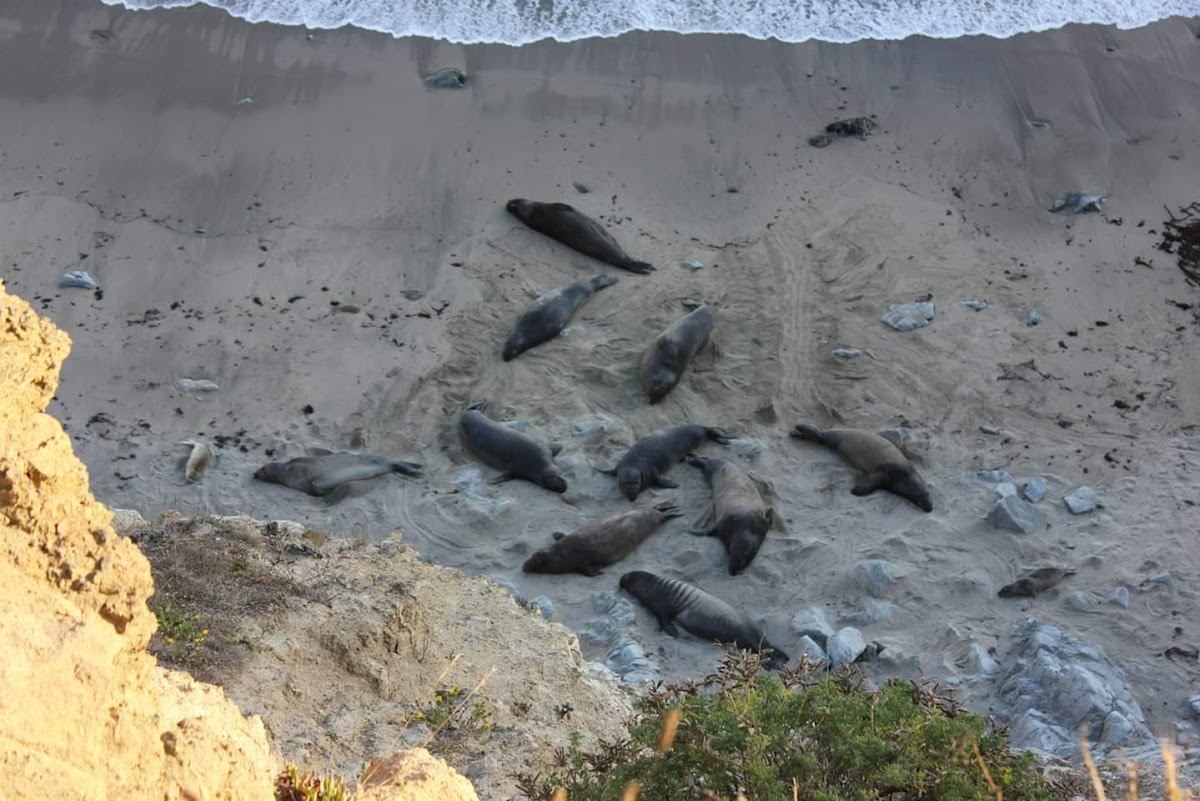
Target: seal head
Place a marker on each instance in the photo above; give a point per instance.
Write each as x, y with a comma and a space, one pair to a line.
629, 480
553, 480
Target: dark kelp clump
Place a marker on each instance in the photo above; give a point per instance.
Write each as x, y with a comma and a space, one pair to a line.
1181, 236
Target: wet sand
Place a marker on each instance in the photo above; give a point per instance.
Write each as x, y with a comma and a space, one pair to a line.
229, 184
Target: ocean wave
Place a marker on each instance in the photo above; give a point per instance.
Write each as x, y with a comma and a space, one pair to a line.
517, 22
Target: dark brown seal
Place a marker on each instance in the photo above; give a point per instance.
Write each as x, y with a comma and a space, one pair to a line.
705, 615
321, 475
1035, 581
672, 351
550, 313
886, 465
576, 230
514, 453
600, 543
738, 516
651, 457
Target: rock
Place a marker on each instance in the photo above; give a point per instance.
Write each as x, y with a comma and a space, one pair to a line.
1120, 597
447, 78
977, 305
1081, 500
126, 519
626, 658
590, 426
811, 622
1035, 489
581, 188
78, 279
906, 438
1077, 203
544, 605
748, 447
1034, 317
1005, 489
995, 476
909, 316
196, 385
1052, 683
846, 647
692, 264
615, 607
814, 652
1194, 703
87, 711
873, 611
1164, 579
1079, 601
413, 775
1014, 514
847, 353
979, 661
875, 576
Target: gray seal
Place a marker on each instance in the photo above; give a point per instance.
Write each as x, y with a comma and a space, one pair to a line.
738, 516
705, 615
1035, 581
321, 475
886, 465
550, 313
576, 230
507, 450
601, 543
651, 457
672, 351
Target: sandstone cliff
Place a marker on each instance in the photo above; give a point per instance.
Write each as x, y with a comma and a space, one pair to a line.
85, 712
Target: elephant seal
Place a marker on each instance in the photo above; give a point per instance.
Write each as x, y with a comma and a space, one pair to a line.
321, 475
576, 230
886, 465
1034, 582
704, 615
647, 462
199, 460
514, 453
600, 543
550, 313
672, 351
738, 517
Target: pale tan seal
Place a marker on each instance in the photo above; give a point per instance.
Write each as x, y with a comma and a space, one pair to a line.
886, 465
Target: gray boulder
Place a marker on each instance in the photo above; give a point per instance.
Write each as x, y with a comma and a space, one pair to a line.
875, 576
1052, 684
1081, 500
1014, 514
1035, 489
846, 647
909, 316
811, 623
814, 652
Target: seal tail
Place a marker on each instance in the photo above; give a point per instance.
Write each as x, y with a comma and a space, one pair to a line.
808, 433
408, 469
639, 267
718, 435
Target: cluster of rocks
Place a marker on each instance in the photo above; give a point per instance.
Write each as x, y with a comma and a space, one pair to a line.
822, 644
624, 655
1015, 509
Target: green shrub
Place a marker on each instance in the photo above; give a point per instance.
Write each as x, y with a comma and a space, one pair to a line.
293, 785
794, 735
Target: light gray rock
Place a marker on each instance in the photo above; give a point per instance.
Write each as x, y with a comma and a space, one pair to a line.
1034, 317
1035, 489
995, 476
811, 622
628, 660
977, 305
692, 264
581, 187
847, 353
77, 279
1052, 683
544, 605
748, 447
907, 438
814, 652
1006, 488
1081, 500
1194, 703
447, 78
1079, 601
980, 662
1077, 203
875, 576
1120, 597
846, 646
909, 316
590, 426
615, 607
1014, 514
1163, 579
196, 385
126, 519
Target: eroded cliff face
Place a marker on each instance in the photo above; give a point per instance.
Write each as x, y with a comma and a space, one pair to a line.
85, 711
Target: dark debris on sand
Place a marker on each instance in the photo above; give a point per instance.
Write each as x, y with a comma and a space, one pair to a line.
852, 126
1181, 236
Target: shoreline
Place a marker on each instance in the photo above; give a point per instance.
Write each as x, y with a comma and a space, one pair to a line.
223, 234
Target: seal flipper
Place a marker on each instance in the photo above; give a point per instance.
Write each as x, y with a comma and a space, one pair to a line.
667, 624
808, 433
639, 267
317, 452
718, 435
336, 494
507, 475
608, 471
408, 469
590, 572
871, 483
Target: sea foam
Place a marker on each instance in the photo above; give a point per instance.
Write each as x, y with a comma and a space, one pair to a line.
517, 22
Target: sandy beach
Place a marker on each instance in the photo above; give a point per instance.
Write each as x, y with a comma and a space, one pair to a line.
231, 185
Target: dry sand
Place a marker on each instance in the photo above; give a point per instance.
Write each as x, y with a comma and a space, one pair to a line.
222, 234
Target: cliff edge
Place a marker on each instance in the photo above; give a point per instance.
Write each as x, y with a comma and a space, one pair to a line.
85, 711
